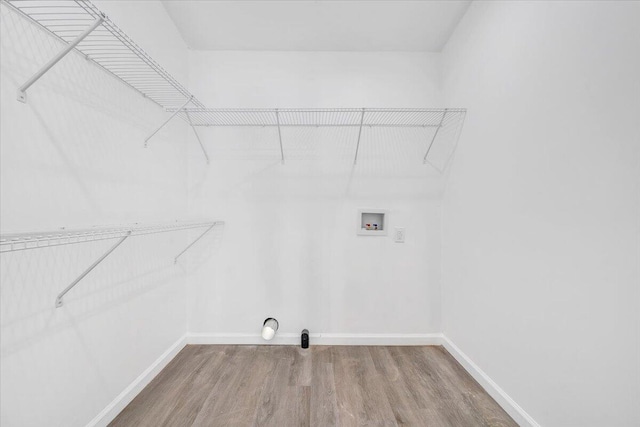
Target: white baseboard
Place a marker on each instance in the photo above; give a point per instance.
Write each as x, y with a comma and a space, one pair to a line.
109, 413
498, 394
318, 339
377, 339
112, 410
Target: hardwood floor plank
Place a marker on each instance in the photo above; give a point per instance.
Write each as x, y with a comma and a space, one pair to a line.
301, 367
324, 404
280, 403
421, 382
234, 398
361, 399
194, 392
324, 386
144, 410
348, 393
405, 408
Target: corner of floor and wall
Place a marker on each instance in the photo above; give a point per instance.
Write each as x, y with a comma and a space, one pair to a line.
541, 229
522, 261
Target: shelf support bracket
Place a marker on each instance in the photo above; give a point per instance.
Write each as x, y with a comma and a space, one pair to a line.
435, 134
61, 295
197, 136
179, 110
22, 90
175, 260
280, 137
355, 159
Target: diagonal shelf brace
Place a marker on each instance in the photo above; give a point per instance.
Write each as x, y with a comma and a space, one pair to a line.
175, 113
435, 134
280, 137
355, 159
22, 90
197, 136
61, 295
175, 260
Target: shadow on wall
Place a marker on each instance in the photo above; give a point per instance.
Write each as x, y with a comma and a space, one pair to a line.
77, 146
74, 156
31, 280
319, 163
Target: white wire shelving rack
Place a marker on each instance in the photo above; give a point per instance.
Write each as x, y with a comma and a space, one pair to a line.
447, 121
36, 240
82, 27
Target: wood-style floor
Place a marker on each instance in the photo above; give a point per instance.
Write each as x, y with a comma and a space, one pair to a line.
207, 385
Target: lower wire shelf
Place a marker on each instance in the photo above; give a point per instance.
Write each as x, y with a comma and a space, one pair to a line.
36, 240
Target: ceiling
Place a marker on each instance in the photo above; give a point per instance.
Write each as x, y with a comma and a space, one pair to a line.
321, 25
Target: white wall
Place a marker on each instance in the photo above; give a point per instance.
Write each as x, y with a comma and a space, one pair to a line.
541, 244
289, 247
73, 156
540, 237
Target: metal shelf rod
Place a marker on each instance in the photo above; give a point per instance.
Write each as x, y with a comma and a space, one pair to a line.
435, 134
280, 138
146, 141
193, 243
59, 298
22, 90
198, 137
355, 159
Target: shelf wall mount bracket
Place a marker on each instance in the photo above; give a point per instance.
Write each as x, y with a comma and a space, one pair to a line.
435, 134
175, 260
22, 90
280, 137
197, 136
175, 113
355, 159
59, 298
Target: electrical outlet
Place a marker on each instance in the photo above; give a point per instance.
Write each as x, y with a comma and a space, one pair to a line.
399, 234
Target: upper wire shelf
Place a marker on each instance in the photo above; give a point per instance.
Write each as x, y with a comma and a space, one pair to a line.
35, 240
445, 123
81, 25
324, 117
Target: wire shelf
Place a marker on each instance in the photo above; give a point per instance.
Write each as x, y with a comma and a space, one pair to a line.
324, 117
106, 45
82, 26
25, 241
35, 240
445, 123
